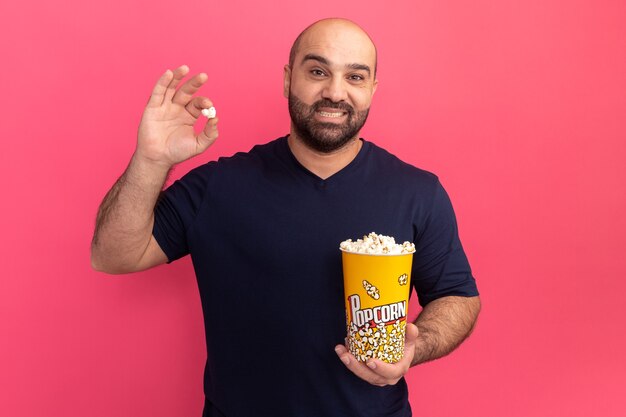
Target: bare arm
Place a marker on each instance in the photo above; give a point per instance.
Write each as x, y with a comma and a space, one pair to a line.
443, 325
123, 240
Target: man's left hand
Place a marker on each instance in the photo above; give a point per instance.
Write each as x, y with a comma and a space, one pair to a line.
377, 372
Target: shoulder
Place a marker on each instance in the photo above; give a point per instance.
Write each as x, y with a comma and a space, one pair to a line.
258, 154
389, 166
254, 159
240, 163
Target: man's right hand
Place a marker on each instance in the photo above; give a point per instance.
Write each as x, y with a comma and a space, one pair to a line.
166, 135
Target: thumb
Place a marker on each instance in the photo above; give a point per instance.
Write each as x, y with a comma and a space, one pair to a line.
410, 341
208, 135
411, 334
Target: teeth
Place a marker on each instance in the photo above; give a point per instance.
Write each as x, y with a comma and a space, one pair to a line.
327, 114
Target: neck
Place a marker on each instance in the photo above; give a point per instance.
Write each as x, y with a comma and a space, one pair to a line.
321, 164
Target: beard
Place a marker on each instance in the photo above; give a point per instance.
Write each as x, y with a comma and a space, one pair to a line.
324, 137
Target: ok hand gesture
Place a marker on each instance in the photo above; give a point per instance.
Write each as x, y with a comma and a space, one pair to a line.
166, 135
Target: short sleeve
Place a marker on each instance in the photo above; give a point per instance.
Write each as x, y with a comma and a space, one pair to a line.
176, 210
440, 266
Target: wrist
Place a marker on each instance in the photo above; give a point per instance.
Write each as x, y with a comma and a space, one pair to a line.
146, 172
150, 165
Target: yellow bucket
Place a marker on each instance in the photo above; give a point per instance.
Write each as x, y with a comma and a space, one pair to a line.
376, 289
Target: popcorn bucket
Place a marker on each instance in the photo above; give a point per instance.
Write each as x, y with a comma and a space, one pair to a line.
376, 289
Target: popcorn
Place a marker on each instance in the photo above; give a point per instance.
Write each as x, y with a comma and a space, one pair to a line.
381, 342
375, 244
210, 112
376, 287
372, 291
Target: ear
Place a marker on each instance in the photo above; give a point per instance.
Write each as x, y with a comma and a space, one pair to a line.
375, 86
286, 80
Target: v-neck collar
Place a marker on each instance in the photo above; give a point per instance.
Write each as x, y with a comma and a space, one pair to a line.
316, 180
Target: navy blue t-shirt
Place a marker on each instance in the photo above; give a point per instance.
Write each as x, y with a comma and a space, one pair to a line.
263, 233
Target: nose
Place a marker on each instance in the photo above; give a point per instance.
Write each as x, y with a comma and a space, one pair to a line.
335, 90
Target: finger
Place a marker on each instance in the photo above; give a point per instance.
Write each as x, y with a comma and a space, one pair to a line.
390, 372
396, 370
196, 105
358, 368
179, 74
208, 135
158, 92
410, 340
412, 332
189, 88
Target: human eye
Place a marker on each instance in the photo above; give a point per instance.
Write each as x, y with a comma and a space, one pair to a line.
317, 72
356, 77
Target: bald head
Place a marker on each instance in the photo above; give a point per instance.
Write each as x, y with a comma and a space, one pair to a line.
330, 82
334, 30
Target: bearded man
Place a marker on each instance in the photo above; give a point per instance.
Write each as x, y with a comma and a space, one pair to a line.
263, 230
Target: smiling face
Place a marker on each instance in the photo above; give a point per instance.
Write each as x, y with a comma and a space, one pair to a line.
330, 83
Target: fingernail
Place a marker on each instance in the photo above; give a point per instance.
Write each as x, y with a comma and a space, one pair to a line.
371, 365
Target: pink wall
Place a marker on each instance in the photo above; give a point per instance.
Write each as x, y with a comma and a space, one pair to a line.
518, 106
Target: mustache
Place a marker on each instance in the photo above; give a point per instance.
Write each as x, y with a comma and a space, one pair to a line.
332, 105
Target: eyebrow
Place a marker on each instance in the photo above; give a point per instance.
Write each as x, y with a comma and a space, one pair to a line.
322, 60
